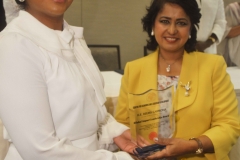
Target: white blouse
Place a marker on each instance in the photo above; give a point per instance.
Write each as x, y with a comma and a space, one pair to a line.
51, 94
167, 127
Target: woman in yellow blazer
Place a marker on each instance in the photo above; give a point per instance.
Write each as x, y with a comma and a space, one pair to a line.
209, 111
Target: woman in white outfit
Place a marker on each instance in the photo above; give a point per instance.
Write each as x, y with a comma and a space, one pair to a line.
51, 91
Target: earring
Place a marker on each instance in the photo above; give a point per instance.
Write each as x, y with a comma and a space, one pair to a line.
152, 33
189, 37
21, 0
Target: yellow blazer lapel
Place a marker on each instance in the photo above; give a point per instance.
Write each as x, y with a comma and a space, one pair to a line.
189, 73
148, 76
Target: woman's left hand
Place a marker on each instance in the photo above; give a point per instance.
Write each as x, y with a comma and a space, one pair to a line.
174, 147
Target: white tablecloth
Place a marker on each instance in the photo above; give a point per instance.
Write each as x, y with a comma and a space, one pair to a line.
112, 83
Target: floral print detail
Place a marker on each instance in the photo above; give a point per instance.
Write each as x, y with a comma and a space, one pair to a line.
165, 130
166, 81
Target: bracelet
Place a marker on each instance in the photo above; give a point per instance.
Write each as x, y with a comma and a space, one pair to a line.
212, 39
200, 146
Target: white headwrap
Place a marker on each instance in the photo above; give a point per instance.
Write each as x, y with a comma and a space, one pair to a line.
11, 10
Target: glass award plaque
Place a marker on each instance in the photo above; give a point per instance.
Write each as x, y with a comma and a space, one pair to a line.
151, 115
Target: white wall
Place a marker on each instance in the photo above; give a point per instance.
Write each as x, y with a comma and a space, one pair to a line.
74, 13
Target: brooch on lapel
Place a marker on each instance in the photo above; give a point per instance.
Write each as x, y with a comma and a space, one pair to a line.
187, 88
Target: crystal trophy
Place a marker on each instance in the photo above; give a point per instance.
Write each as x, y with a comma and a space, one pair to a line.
151, 116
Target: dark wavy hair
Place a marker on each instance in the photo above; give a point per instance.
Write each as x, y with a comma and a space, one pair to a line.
191, 9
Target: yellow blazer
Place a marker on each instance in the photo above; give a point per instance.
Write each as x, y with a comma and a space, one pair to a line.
211, 109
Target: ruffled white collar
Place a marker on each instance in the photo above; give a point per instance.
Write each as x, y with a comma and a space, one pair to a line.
45, 37
60, 43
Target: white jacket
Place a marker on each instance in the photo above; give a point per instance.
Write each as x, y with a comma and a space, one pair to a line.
51, 96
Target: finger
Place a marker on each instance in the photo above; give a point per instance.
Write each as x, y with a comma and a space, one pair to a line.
142, 142
146, 142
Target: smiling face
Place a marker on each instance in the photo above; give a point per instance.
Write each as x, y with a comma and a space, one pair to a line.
47, 11
172, 28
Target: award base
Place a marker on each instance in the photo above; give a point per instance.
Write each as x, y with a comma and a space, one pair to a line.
143, 152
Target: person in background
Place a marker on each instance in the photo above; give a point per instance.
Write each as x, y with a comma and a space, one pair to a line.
229, 47
2, 17
51, 91
212, 25
205, 104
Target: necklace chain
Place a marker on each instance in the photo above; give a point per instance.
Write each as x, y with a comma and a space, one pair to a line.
168, 69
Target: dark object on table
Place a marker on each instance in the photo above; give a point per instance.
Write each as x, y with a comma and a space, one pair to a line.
148, 150
120, 71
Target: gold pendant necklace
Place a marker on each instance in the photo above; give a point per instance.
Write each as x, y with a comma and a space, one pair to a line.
168, 69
